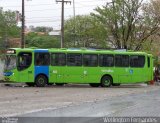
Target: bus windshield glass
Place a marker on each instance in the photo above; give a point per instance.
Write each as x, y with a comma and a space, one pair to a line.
10, 62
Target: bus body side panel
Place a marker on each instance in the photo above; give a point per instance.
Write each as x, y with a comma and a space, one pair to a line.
73, 74
108, 71
138, 75
41, 69
91, 74
123, 74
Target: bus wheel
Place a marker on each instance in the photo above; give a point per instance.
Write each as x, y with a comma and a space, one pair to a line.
59, 84
30, 84
41, 81
94, 84
106, 81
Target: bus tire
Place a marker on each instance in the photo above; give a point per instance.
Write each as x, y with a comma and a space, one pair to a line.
106, 81
59, 84
41, 81
30, 84
94, 84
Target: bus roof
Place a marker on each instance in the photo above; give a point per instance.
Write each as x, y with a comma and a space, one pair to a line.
82, 50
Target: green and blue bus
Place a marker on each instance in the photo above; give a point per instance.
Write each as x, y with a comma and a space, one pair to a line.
82, 66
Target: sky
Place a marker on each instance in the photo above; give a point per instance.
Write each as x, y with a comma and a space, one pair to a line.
48, 12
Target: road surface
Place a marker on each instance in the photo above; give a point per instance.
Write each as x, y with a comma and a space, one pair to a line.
78, 101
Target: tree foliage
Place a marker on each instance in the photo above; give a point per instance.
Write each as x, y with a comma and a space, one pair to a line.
42, 41
128, 23
8, 26
152, 14
84, 31
41, 29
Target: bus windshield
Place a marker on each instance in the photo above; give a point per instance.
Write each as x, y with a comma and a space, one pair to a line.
10, 62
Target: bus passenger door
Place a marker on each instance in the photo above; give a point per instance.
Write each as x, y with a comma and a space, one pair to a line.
25, 67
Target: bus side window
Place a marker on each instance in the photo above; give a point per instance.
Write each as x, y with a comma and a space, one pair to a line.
121, 60
137, 61
90, 60
42, 59
74, 59
106, 60
58, 59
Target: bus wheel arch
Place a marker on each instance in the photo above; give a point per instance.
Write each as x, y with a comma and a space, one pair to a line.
106, 80
41, 80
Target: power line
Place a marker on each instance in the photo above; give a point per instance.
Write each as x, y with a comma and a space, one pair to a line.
43, 21
46, 17
31, 5
58, 8
52, 4
42, 17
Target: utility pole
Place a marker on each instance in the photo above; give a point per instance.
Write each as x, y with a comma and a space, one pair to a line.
62, 20
74, 14
6, 38
23, 26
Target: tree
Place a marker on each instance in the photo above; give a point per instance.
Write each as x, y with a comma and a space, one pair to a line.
127, 22
84, 31
8, 27
42, 29
152, 14
41, 41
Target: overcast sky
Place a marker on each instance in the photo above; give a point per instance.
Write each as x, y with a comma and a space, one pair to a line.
48, 12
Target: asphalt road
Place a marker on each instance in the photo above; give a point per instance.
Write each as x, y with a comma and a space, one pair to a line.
18, 99
145, 104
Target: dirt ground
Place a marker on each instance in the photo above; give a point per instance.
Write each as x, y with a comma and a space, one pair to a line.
17, 99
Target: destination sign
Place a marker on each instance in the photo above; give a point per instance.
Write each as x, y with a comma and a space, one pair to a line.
11, 51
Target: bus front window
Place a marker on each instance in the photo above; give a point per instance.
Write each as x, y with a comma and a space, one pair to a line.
24, 60
10, 62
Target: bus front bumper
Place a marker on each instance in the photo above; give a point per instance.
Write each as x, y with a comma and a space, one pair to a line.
8, 77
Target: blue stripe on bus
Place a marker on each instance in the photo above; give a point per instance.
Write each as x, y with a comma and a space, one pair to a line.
41, 50
41, 69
